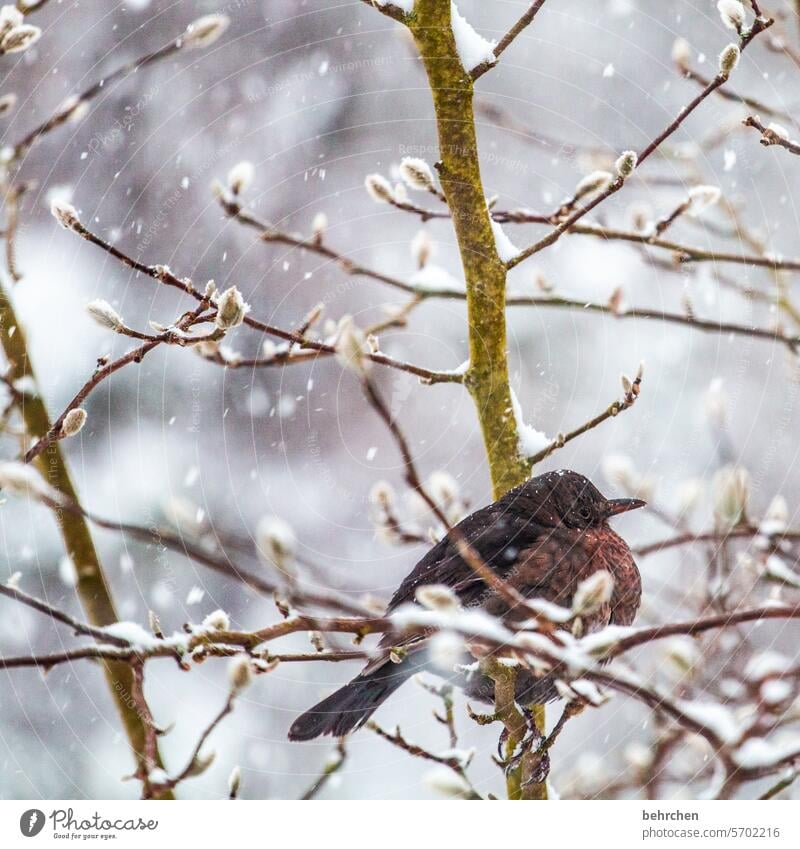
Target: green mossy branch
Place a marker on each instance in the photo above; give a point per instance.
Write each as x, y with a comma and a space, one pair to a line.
92, 588
484, 272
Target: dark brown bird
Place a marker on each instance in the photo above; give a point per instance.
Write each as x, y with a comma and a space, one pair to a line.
543, 538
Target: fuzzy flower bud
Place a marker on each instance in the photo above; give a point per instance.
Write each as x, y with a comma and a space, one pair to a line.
205, 31
626, 163
74, 422
446, 650
416, 173
592, 593
731, 487
778, 129
351, 347
234, 782
732, 13
23, 480
7, 103
20, 38
448, 783
105, 315
379, 188
421, 248
701, 198
728, 59
681, 52
318, 226
231, 309
594, 182
240, 673
66, 214
217, 621
276, 542
437, 597
240, 177
10, 17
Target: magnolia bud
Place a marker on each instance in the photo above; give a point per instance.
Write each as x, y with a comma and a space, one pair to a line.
205, 31
66, 214
379, 188
240, 673
10, 17
421, 248
276, 542
74, 422
592, 593
217, 621
732, 13
351, 347
7, 103
778, 129
105, 315
701, 198
731, 487
231, 309
626, 163
446, 650
234, 782
21, 479
20, 38
448, 783
240, 177
416, 173
437, 597
319, 225
728, 60
681, 52
594, 182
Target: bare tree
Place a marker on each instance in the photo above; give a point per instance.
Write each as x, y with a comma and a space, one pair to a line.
724, 719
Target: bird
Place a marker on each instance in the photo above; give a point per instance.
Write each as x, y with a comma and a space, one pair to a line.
543, 538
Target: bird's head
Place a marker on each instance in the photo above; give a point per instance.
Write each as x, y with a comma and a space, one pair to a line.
578, 503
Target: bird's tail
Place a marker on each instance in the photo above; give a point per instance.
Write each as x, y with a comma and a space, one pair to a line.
350, 707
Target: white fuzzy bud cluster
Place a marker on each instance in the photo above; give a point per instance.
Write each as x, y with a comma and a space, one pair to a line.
276, 542
351, 346
729, 59
379, 188
592, 593
231, 309
241, 176
731, 489
66, 215
73, 422
732, 14
626, 163
15, 34
105, 315
73, 109
417, 174
205, 31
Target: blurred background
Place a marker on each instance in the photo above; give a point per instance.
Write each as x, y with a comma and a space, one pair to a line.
318, 95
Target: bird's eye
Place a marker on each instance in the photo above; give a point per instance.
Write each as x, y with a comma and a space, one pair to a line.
585, 512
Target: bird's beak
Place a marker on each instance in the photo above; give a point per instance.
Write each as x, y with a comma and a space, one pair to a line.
622, 505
